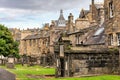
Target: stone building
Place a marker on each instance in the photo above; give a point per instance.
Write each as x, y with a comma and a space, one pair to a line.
34, 44
112, 18
87, 17
83, 49
37, 45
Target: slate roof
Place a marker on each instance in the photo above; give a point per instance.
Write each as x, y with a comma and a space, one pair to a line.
89, 37
93, 35
35, 36
97, 36
82, 30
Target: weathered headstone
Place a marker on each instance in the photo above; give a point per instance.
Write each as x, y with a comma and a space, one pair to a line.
6, 75
10, 63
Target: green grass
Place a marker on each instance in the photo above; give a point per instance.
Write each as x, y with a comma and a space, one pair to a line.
22, 72
105, 77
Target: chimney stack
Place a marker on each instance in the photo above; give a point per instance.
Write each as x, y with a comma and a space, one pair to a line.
92, 2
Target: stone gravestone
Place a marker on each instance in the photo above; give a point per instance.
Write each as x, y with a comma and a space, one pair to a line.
6, 75
10, 63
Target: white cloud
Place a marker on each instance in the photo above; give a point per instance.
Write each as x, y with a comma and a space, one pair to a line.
21, 13
41, 4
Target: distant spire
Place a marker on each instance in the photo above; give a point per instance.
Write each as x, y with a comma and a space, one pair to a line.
61, 11
61, 20
61, 17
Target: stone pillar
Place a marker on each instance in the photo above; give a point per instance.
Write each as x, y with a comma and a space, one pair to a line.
66, 69
70, 68
61, 50
68, 64
57, 63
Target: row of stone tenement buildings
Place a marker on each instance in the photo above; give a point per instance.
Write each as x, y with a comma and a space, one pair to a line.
88, 45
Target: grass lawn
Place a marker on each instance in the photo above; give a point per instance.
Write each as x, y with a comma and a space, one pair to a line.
22, 73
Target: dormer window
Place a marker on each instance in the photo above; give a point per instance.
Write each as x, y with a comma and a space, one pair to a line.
111, 9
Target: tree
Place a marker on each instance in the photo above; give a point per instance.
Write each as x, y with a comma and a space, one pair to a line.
7, 44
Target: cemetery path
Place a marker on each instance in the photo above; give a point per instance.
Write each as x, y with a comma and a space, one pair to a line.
6, 75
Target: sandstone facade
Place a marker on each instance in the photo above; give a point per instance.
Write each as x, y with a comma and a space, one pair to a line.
112, 9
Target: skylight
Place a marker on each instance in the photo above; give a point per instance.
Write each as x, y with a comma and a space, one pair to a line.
99, 31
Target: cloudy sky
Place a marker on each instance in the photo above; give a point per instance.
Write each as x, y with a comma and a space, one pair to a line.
34, 13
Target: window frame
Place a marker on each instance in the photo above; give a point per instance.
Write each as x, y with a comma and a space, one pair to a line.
118, 39
111, 9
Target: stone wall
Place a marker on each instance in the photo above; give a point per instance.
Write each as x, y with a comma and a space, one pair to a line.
83, 64
34, 47
82, 23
